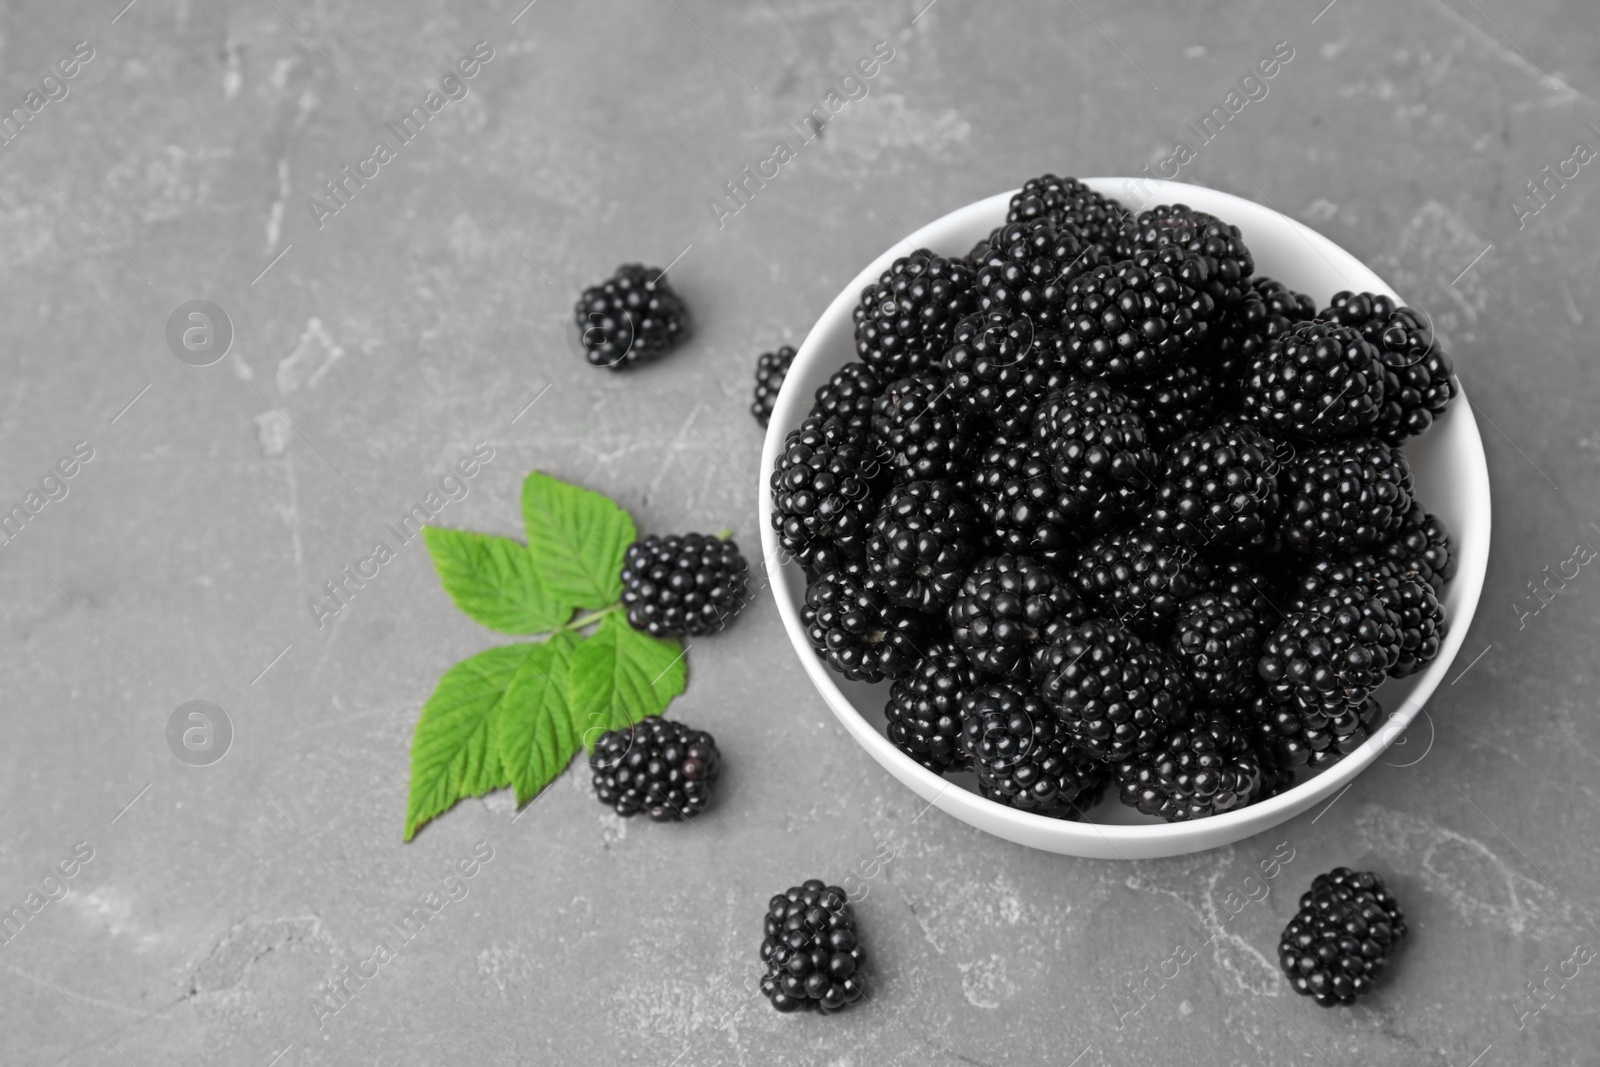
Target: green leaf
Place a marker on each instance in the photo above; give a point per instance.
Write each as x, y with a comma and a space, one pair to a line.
495, 581
536, 732
619, 676
577, 538
456, 751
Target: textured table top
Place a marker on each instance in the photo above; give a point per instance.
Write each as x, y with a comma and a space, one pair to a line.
210, 907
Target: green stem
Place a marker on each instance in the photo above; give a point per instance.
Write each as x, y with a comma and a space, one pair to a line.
725, 534
593, 617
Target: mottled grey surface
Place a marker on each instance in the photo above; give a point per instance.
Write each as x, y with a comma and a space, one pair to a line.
221, 901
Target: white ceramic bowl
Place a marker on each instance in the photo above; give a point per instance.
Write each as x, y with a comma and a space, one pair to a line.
1452, 479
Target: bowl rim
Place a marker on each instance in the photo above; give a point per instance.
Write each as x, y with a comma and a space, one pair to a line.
1083, 837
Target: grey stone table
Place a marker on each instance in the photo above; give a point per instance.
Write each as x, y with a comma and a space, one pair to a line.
211, 908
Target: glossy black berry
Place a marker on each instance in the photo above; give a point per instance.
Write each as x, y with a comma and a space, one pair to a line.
1025, 512
1217, 640
1339, 942
1288, 736
823, 487
1419, 380
1205, 768
1329, 658
904, 322
1266, 313
688, 584
656, 766
1124, 321
1178, 400
1024, 755
1098, 451
1117, 695
771, 369
1097, 218
1344, 497
1008, 606
629, 318
1319, 382
1000, 366
849, 395
1421, 549
1199, 235
1028, 268
1421, 616
812, 950
921, 430
858, 630
923, 542
1218, 488
924, 708
1136, 578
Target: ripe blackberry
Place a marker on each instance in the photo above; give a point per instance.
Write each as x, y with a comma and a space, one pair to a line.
1139, 580
1418, 382
1024, 756
921, 430
849, 395
1268, 311
1203, 769
1029, 266
1293, 737
688, 584
924, 708
771, 369
1344, 497
1217, 639
923, 541
1338, 943
903, 323
858, 630
1021, 504
1125, 321
1098, 218
999, 366
631, 317
1329, 658
1255, 580
1198, 234
1421, 616
822, 492
1117, 695
655, 766
812, 950
1176, 401
1320, 381
1007, 607
1421, 549
1099, 453
1218, 487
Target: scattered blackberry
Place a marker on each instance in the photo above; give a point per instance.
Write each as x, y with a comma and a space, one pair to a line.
1203, 769
1098, 218
655, 766
1218, 487
1330, 657
1418, 381
921, 430
812, 950
1139, 580
1117, 695
1123, 321
858, 630
822, 492
1320, 381
849, 396
924, 708
1099, 453
1024, 756
903, 323
771, 369
1338, 944
999, 365
1198, 234
1345, 497
631, 317
1421, 548
1029, 266
1178, 400
1217, 639
1021, 504
1007, 606
923, 542
1268, 312
683, 584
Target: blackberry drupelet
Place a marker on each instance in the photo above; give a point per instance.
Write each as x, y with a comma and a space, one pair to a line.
1021, 504
1217, 639
1203, 769
904, 322
849, 395
771, 369
812, 950
1345, 497
1329, 658
1024, 755
1098, 218
823, 487
1123, 321
1218, 487
1268, 312
858, 630
1134, 577
924, 708
631, 317
1320, 382
1418, 382
1028, 268
999, 366
1099, 453
1421, 549
655, 766
1176, 401
921, 430
923, 542
1198, 234
1339, 942
1007, 607
688, 584
1117, 695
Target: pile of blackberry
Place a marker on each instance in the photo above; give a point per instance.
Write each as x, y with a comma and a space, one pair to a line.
1114, 513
